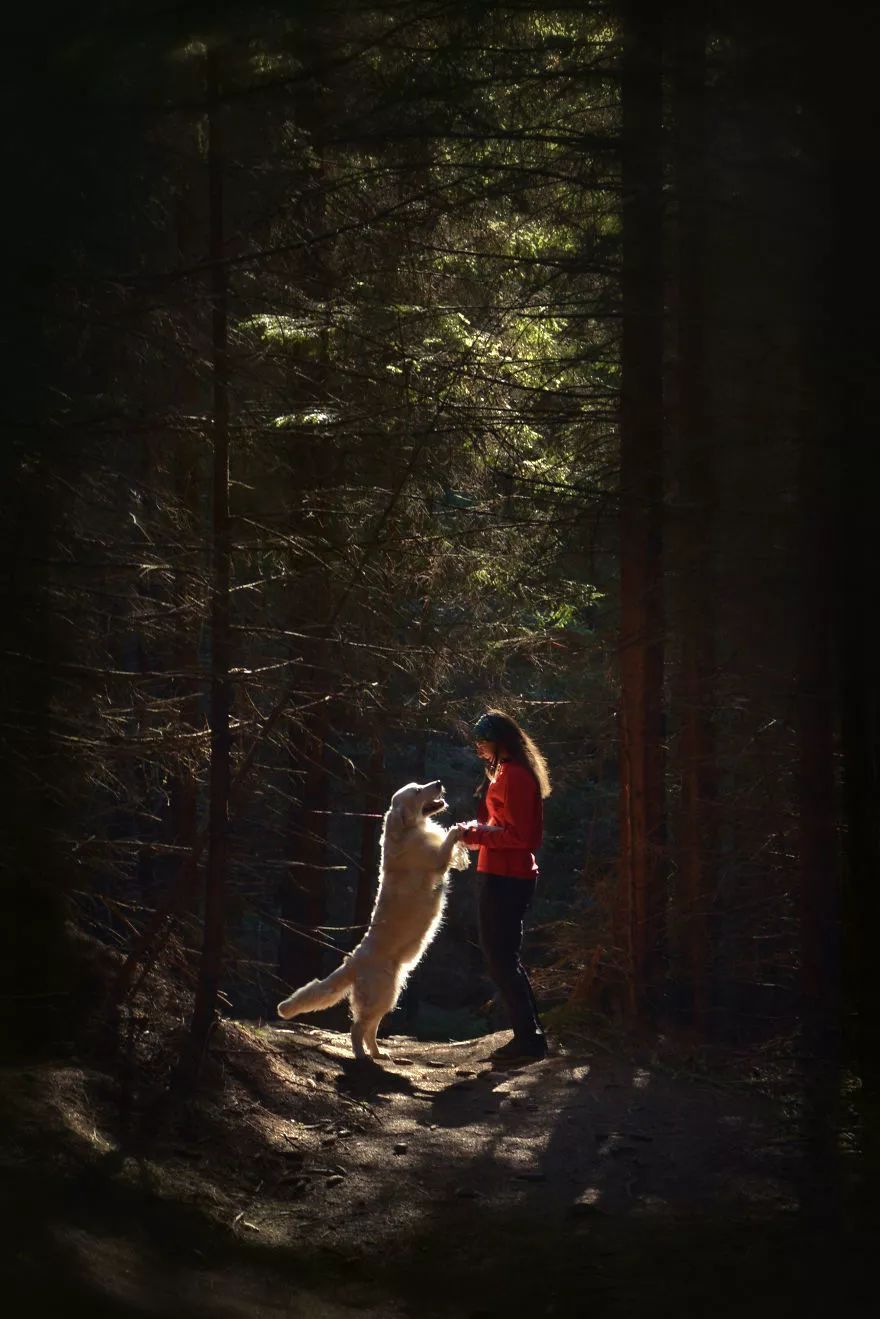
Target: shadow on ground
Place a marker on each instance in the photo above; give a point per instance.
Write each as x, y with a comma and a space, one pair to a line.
310, 1185
120, 1253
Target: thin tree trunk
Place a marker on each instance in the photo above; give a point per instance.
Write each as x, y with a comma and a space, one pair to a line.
858, 646
219, 780
697, 848
185, 467
640, 915
853, 350
819, 861
819, 915
302, 897
374, 800
857, 651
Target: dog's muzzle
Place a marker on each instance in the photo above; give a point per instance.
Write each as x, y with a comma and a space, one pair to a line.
437, 803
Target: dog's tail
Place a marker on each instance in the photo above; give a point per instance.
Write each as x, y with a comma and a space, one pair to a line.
319, 994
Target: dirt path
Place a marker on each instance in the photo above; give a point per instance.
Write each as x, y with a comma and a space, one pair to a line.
306, 1184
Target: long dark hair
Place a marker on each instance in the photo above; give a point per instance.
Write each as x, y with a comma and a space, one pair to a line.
511, 743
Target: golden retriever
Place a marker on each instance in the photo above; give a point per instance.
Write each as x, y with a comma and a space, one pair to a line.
416, 856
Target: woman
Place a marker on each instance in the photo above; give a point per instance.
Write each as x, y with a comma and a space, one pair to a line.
508, 832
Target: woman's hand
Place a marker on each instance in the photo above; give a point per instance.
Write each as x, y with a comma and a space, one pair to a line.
473, 832
466, 833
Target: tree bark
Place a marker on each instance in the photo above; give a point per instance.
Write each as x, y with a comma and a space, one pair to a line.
219, 779
814, 704
858, 645
183, 788
818, 901
374, 800
640, 914
851, 284
302, 898
697, 501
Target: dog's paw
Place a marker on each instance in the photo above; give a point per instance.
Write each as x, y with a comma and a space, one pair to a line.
461, 857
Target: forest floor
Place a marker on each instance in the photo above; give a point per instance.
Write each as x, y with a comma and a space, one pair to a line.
303, 1184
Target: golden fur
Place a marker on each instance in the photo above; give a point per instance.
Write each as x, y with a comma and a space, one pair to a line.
416, 856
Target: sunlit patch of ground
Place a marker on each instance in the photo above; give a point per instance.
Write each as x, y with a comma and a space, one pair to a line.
302, 1182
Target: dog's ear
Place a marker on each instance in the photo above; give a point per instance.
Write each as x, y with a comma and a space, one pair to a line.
394, 821
403, 811
400, 815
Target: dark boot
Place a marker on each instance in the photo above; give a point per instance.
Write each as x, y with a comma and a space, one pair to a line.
532, 1049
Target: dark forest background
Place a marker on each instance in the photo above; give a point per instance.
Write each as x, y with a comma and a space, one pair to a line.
368, 364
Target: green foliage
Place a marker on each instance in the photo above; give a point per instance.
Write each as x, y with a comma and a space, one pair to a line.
419, 412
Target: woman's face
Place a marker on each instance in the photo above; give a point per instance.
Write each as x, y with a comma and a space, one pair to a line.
486, 750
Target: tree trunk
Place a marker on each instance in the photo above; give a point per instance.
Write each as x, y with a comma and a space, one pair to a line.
858, 645
374, 801
186, 471
852, 344
818, 905
819, 908
697, 500
302, 898
219, 779
640, 915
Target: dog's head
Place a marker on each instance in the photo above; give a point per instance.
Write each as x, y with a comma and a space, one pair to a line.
414, 802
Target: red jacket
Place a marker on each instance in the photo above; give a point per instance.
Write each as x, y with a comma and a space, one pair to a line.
513, 801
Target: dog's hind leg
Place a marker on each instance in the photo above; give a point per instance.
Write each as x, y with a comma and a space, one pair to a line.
380, 1004
375, 993
365, 1017
363, 1038
357, 1039
370, 1028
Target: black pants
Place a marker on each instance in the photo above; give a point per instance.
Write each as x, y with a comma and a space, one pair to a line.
503, 903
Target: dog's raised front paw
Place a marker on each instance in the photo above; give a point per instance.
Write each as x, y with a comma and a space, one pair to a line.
461, 857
